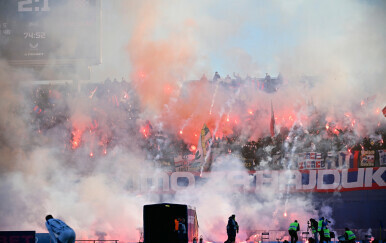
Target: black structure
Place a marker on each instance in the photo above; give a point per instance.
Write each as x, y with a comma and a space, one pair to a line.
158, 222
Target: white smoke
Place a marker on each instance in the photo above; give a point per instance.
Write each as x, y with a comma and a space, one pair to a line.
341, 45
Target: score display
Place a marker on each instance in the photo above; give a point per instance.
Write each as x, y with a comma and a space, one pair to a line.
55, 32
25, 6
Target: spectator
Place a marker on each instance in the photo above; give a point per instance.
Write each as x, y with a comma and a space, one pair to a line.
59, 231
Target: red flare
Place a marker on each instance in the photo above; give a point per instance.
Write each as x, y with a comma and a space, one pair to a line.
336, 131
144, 132
76, 138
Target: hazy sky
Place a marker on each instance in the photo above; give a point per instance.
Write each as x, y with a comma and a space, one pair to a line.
246, 37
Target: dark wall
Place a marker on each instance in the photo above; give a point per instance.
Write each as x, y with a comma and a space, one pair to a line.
357, 210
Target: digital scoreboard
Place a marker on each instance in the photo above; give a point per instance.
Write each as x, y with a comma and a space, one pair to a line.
50, 32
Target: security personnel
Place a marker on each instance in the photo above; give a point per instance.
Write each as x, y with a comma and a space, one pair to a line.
327, 237
314, 229
320, 229
293, 231
349, 236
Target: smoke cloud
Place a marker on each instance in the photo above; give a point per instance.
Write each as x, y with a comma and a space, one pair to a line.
330, 54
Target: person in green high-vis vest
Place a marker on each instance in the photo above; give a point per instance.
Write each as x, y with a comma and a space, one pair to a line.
320, 229
313, 225
349, 236
293, 231
326, 235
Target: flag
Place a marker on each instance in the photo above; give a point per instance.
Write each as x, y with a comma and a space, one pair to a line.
205, 139
272, 125
382, 157
203, 151
367, 158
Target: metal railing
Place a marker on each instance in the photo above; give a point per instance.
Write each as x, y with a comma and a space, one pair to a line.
281, 235
277, 236
96, 241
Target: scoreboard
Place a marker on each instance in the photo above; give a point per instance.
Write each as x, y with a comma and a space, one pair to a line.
50, 32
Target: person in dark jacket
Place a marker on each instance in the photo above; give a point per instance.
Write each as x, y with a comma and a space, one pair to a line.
293, 231
181, 230
216, 77
232, 229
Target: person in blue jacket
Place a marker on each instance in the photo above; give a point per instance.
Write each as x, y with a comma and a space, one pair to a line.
59, 231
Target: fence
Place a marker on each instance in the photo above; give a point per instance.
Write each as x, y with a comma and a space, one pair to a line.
97, 241
277, 236
363, 235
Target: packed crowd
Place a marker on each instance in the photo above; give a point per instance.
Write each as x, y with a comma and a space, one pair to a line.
114, 110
